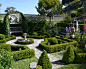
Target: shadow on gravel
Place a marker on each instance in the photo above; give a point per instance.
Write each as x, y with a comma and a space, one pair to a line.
59, 62
39, 48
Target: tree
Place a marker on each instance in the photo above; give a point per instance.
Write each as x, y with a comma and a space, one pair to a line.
49, 7
8, 9
44, 61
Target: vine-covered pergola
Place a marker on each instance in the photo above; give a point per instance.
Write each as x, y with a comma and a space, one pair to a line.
6, 23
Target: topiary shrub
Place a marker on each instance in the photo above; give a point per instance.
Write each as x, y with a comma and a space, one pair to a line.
53, 41
2, 37
44, 61
69, 55
38, 67
6, 60
35, 33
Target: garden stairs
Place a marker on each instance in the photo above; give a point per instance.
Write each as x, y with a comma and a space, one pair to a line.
56, 63
63, 33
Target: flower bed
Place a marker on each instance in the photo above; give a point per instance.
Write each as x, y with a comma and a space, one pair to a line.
21, 41
57, 47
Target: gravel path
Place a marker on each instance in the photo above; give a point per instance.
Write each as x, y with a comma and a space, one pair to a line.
56, 63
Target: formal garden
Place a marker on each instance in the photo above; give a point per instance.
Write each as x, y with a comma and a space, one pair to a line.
48, 45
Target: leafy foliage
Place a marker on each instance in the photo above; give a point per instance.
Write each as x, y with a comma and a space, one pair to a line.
69, 55
44, 61
6, 60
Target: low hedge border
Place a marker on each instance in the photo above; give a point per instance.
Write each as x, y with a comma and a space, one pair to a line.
7, 39
25, 42
57, 47
80, 58
25, 51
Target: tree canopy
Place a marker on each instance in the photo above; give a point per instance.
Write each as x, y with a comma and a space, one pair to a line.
8, 9
46, 7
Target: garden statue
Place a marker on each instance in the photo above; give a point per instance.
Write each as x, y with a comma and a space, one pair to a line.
77, 25
25, 34
73, 31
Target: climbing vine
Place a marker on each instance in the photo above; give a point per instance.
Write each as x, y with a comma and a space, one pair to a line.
6, 24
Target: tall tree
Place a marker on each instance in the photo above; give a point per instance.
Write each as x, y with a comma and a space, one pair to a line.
48, 7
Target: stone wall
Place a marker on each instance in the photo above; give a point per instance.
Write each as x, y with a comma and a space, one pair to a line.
37, 18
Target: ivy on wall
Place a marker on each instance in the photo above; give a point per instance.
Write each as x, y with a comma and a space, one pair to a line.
6, 24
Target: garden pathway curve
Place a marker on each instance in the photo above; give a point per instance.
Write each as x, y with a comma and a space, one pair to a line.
55, 62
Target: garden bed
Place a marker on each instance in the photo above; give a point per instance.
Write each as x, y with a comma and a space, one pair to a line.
57, 47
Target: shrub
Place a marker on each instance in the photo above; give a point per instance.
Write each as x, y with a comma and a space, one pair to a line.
44, 61
27, 53
35, 33
80, 10
69, 55
73, 14
25, 42
7, 47
2, 37
38, 67
6, 60
53, 41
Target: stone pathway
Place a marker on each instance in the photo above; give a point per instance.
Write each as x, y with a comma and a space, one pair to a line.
56, 63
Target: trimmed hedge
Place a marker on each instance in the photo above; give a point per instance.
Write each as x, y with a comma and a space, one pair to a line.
74, 13
25, 42
41, 35
7, 47
27, 53
80, 58
57, 47
7, 38
38, 67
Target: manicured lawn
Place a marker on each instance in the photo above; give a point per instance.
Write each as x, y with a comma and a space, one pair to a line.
24, 64
73, 66
58, 55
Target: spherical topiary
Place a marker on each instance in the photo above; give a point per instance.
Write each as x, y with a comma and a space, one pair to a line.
53, 41
69, 55
2, 37
35, 33
44, 61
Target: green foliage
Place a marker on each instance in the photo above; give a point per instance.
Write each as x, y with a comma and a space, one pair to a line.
38, 67
2, 37
44, 61
35, 26
73, 14
6, 60
25, 42
57, 47
35, 33
53, 41
69, 55
64, 2
6, 23
67, 35
6, 47
27, 53
80, 10
77, 36
81, 58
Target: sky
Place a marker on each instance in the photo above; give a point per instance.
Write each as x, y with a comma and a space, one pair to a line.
24, 6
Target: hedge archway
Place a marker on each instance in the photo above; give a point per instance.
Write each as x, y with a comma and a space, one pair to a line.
6, 24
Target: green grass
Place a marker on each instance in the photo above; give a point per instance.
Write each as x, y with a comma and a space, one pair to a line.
58, 55
74, 66
24, 64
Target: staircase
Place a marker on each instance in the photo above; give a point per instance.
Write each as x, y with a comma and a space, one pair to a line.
63, 33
